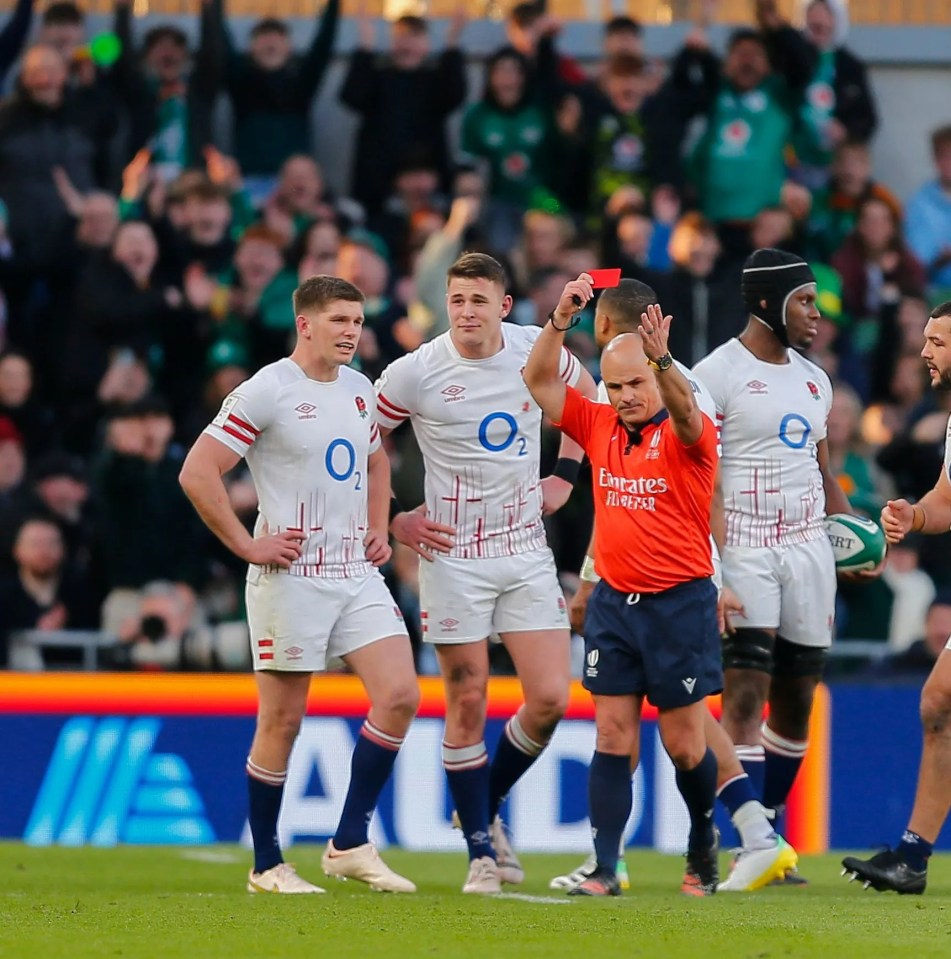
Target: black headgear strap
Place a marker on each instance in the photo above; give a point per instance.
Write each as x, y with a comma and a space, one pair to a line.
773, 276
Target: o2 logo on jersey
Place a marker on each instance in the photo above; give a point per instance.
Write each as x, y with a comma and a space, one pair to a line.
341, 460
794, 431
498, 431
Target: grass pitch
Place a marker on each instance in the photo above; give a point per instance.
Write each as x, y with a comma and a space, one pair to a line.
190, 903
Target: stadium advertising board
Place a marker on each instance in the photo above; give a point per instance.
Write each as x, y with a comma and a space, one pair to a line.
148, 758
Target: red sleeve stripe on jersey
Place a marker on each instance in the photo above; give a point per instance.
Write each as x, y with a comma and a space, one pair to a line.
569, 371
374, 432
245, 426
391, 410
237, 435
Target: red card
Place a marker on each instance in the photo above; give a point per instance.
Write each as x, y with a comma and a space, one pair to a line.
600, 279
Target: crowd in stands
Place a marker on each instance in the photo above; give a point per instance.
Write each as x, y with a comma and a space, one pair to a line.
145, 270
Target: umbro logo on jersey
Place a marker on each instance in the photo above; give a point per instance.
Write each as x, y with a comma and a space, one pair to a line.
757, 387
453, 393
689, 683
307, 411
293, 652
449, 624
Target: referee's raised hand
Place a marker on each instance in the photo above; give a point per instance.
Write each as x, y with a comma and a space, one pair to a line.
574, 298
654, 330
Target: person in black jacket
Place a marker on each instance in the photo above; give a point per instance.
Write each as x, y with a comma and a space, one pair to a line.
838, 103
168, 109
403, 102
44, 127
271, 92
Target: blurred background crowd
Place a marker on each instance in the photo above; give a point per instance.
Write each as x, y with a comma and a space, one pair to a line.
148, 250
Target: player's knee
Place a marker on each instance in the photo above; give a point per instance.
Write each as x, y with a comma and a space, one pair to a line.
279, 725
749, 649
400, 701
686, 752
936, 709
547, 707
614, 736
791, 661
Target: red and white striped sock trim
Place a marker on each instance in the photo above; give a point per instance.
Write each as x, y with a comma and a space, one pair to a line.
265, 775
457, 758
750, 754
790, 748
520, 739
376, 735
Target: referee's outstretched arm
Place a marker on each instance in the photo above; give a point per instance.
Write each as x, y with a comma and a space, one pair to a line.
675, 390
541, 374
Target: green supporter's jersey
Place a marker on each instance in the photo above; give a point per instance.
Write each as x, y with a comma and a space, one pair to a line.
170, 146
620, 157
738, 164
517, 146
818, 105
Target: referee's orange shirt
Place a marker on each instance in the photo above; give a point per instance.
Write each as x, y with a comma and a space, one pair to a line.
651, 503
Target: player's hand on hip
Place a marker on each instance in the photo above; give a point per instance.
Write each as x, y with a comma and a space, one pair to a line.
654, 330
897, 518
579, 606
555, 493
421, 534
728, 605
574, 298
278, 549
377, 547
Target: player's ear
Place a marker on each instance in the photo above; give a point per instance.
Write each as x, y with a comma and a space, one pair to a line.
303, 326
506, 306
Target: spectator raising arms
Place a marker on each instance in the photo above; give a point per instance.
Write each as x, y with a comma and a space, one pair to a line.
271, 93
403, 102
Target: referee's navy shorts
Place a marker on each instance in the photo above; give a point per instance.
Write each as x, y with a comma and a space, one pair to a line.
665, 645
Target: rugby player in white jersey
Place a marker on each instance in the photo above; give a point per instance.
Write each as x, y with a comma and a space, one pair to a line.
904, 869
479, 432
772, 405
306, 425
620, 310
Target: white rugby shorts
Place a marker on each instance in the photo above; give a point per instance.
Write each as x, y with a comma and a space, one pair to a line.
466, 600
303, 623
787, 588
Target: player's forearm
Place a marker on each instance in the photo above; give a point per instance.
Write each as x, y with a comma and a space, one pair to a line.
932, 514
718, 516
210, 498
378, 492
568, 449
836, 500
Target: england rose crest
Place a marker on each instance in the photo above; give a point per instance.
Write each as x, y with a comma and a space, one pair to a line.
361, 406
813, 389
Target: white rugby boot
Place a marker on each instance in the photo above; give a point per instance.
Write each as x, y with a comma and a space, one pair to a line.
364, 864
281, 878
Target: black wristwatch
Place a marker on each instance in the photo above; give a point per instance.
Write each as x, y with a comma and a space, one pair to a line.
662, 363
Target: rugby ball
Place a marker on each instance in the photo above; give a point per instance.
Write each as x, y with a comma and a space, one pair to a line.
858, 543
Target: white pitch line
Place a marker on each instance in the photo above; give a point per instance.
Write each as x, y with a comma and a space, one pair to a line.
524, 897
209, 855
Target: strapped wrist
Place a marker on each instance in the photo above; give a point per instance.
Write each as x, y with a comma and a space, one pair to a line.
566, 469
588, 573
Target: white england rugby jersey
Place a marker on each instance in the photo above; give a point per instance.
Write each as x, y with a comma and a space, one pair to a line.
479, 431
771, 418
307, 442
